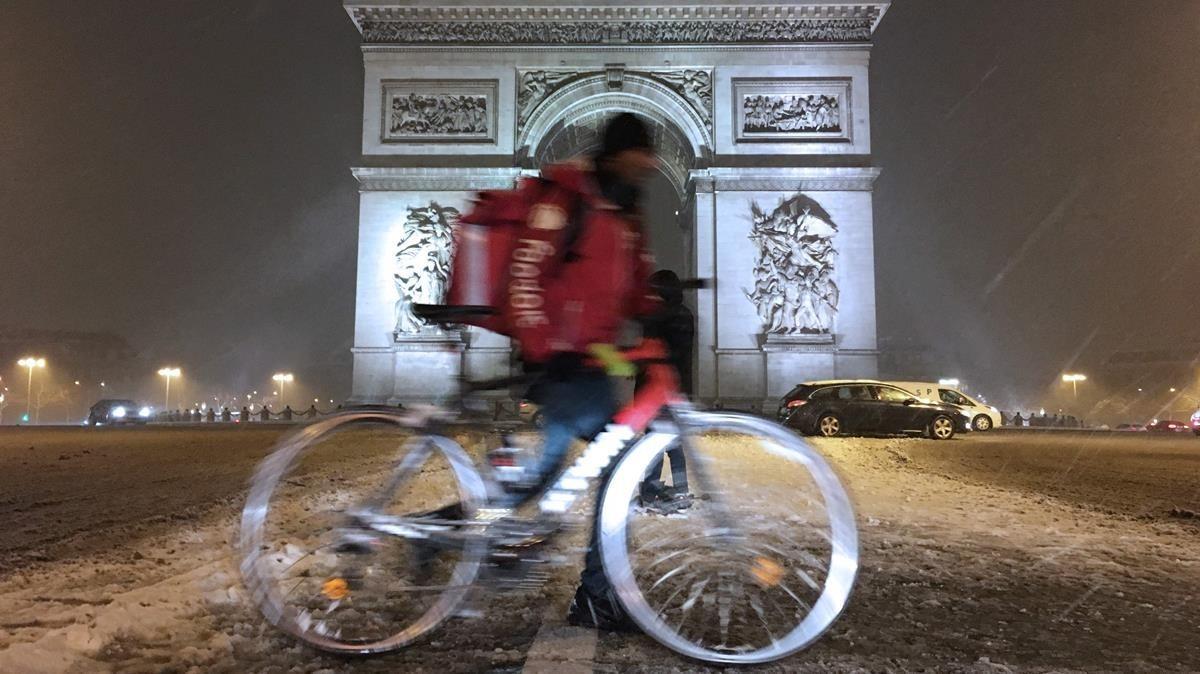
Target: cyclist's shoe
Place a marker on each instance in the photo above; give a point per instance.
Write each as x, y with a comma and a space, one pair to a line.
666, 503
599, 613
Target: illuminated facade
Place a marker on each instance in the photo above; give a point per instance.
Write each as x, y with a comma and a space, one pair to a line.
761, 113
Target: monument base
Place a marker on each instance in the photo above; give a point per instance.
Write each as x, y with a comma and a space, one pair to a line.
414, 369
792, 359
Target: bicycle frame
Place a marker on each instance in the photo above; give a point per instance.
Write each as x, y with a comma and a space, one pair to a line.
659, 391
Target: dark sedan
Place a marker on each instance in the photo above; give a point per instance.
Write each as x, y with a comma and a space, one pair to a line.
836, 408
117, 412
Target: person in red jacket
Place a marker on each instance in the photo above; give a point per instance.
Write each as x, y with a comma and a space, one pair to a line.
602, 283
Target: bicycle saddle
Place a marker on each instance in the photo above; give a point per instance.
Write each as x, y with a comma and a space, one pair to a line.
446, 313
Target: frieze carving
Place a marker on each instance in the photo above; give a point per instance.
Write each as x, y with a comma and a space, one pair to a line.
792, 110
414, 179
426, 111
693, 85
422, 264
437, 114
794, 291
387, 31
781, 113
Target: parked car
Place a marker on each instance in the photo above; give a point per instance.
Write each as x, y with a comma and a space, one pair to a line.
115, 412
1168, 426
1196, 422
832, 408
983, 417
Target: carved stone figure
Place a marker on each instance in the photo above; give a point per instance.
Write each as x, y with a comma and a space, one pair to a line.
794, 292
803, 113
438, 114
694, 85
423, 258
536, 85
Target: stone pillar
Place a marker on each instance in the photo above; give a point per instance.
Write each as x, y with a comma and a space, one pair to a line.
703, 214
796, 213
403, 244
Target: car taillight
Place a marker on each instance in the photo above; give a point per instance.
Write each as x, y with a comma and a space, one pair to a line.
795, 403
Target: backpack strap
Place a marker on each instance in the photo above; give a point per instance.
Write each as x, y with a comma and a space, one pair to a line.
574, 229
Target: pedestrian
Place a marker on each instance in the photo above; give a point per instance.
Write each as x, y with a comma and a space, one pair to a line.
264, 414
312, 412
245, 418
226, 415
675, 325
1017, 420
287, 413
212, 415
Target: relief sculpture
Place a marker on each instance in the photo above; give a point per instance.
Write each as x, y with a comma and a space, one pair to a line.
794, 291
806, 113
422, 266
438, 115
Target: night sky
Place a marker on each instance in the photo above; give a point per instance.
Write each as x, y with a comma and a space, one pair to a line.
178, 173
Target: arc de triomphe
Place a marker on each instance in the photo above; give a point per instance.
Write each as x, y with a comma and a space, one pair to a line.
762, 114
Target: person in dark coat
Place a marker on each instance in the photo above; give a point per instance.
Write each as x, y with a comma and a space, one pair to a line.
675, 325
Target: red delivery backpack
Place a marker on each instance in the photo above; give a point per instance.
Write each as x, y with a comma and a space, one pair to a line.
508, 248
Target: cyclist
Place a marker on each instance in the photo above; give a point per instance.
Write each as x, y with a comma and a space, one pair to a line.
604, 283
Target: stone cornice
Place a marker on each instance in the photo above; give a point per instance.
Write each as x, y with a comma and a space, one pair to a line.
661, 25
384, 179
834, 179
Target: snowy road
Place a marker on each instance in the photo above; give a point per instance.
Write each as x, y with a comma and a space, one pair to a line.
991, 553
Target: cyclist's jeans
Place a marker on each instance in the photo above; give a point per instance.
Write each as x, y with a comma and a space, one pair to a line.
578, 407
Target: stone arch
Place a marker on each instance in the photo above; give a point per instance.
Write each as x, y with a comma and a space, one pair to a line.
568, 121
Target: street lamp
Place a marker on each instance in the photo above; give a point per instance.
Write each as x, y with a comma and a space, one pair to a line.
168, 373
282, 378
30, 363
1074, 379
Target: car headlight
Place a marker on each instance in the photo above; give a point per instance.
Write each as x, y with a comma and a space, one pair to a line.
144, 412
119, 412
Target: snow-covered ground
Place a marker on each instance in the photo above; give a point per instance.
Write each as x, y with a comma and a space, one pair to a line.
986, 554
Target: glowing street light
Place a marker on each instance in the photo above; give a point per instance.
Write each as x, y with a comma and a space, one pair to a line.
168, 373
1074, 380
282, 378
30, 363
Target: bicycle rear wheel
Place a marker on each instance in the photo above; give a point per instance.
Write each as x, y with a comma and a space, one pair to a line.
757, 564
314, 566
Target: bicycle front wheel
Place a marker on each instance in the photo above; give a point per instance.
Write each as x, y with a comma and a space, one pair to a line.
753, 564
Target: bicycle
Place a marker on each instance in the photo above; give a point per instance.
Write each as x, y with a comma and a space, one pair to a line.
722, 582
